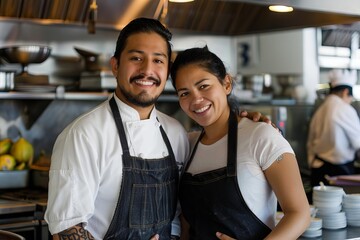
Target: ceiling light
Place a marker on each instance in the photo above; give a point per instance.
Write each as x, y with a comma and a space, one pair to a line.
181, 1
280, 8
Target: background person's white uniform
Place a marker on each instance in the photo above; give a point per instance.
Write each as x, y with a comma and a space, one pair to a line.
335, 127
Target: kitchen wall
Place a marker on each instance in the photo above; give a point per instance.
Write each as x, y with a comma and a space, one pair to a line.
286, 53
276, 53
62, 40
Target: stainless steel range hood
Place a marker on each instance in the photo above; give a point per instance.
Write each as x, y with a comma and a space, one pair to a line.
226, 17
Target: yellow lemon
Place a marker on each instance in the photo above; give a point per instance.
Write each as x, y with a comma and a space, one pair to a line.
7, 162
5, 145
22, 150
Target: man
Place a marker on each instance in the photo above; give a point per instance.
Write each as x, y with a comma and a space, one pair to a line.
334, 131
114, 170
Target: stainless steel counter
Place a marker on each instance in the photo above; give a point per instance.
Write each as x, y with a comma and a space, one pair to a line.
338, 234
21, 212
12, 206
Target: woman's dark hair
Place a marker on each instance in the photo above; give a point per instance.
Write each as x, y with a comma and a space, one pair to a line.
142, 25
203, 58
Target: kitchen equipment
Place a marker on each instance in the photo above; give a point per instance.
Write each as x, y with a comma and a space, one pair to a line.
14, 179
99, 80
22, 212
40, 171
25, 55
6, 235
7, 81
67, 68
94, 61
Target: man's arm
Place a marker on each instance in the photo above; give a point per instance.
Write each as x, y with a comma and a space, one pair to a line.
75, 232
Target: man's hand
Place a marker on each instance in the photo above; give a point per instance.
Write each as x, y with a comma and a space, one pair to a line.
255, 116
222, 236
258, 117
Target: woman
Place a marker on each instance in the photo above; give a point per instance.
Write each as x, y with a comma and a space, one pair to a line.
239, 169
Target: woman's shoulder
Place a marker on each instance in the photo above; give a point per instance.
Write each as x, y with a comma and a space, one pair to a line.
251, 129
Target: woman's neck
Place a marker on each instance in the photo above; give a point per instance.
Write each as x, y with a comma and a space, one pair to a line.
217, 130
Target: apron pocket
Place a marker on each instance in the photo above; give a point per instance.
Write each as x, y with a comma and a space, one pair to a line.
152, 205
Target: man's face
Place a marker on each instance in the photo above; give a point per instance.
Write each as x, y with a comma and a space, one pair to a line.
142, 70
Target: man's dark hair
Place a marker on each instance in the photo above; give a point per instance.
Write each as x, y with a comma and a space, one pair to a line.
142, 25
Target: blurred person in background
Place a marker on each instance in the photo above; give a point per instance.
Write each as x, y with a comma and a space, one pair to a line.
334, 131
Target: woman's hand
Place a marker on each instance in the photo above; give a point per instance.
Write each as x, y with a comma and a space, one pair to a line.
222, 236
155, 237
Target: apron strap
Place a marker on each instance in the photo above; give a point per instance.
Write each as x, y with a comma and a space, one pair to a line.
193, 151
166, 140
232, 145
231, 149
119, 125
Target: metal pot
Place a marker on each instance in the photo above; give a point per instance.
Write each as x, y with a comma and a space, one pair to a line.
25, 55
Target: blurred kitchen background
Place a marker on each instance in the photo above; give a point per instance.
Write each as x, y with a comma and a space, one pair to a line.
279, 61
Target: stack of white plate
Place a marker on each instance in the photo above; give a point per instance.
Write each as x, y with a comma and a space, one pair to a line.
333, 220
336, 235
328, 202
351, 207
314, 229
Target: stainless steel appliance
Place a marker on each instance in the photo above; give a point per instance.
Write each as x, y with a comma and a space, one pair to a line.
22, 212
25, 55
98, 80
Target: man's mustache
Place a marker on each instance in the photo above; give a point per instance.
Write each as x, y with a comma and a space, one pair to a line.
141, 76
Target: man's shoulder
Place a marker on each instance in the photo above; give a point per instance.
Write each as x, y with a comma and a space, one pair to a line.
167, 119
170, 124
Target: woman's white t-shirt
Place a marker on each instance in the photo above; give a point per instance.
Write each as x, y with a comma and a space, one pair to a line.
259, 146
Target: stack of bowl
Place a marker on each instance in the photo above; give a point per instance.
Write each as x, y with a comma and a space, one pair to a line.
328, 202
351, 207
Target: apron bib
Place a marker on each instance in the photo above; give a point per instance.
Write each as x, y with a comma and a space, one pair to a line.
212, 201
148, 195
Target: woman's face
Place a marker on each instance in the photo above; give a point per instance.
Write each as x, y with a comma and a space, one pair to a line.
201, 95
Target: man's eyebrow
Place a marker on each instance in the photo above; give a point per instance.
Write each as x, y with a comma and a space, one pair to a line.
141, 52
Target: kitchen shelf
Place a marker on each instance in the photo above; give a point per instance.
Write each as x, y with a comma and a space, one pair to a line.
53, 95
33, 104
166, 97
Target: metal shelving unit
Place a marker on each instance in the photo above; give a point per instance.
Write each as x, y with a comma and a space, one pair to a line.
54, 95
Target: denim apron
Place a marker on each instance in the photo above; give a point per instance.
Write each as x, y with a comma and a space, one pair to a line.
148, 195
212, 201
330, 169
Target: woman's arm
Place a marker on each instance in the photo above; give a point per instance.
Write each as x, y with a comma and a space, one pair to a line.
284, 177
